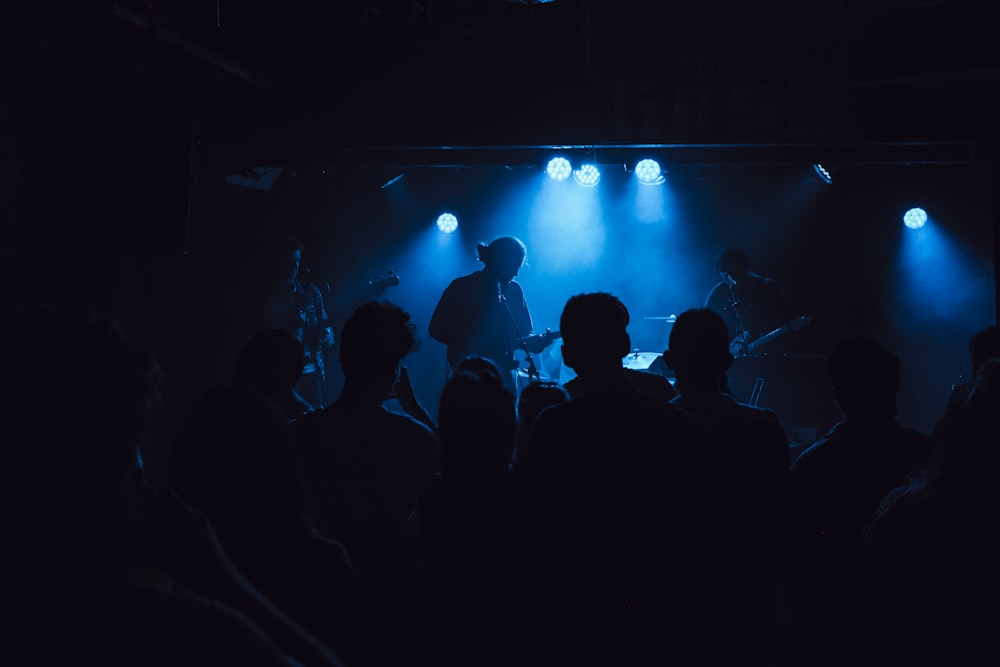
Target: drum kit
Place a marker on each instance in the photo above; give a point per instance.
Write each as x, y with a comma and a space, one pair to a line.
650, 361
786, 382
639, 361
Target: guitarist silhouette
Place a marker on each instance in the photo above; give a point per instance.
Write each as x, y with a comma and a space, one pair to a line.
752, 305
485, 313
296, 304
762, 333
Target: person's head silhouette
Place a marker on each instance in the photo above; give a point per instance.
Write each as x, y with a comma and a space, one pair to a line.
373, 342
865, 378
503, 257
732, 264
594, 335
699, 350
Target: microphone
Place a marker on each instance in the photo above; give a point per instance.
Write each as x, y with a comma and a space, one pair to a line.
729, 279
499, 291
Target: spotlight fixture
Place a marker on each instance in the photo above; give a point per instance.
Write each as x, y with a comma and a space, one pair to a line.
648, 172
588, 175
558, 169
823, 173
915, 218
447, 223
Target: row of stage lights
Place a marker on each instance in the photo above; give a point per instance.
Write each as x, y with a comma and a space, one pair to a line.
647, 172
915, 218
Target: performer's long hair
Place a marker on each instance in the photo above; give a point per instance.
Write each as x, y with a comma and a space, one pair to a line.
500, 246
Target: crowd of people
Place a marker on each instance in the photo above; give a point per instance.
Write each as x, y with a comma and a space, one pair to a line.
602, 525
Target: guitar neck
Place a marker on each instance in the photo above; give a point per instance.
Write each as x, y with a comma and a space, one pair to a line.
768, 337
793, 325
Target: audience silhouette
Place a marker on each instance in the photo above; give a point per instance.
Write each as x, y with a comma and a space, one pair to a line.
468, 531
271, 363
235, 459
645, 381
607, 523
746, 455
479, 365
928, 570
366, 468
609, 480
108, 570
837, 484
983, 346
535, 397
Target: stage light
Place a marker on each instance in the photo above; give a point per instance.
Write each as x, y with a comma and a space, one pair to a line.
823, 173
447, 223
648, 172
558, 169
915, 218
588, 175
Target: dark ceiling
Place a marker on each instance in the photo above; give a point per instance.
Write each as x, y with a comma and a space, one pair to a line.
300, 80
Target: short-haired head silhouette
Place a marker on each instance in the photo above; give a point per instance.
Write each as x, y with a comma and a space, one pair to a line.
865, 377
477, 419
699, 350
983, 346
593, 328
479, 365
374, 341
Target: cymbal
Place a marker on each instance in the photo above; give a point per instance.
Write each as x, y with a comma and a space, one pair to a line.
666, 318
639, 361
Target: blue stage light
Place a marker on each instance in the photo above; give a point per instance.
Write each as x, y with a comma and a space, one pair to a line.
915, 218
447, 223
558, 169
823, 173
588, 175
648, 172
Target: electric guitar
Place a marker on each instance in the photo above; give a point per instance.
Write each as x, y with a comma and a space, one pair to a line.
375, 288
534, 343
538, 342
739, 347
383, 281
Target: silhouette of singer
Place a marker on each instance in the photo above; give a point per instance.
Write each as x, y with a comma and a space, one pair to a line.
485, 313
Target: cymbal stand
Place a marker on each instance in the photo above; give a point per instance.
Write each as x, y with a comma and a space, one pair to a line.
758, 387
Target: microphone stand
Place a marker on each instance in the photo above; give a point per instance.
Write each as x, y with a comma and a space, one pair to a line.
532, 369
741, 335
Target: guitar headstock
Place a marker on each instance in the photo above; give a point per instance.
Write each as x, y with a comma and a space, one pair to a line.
800, 322
383, 281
